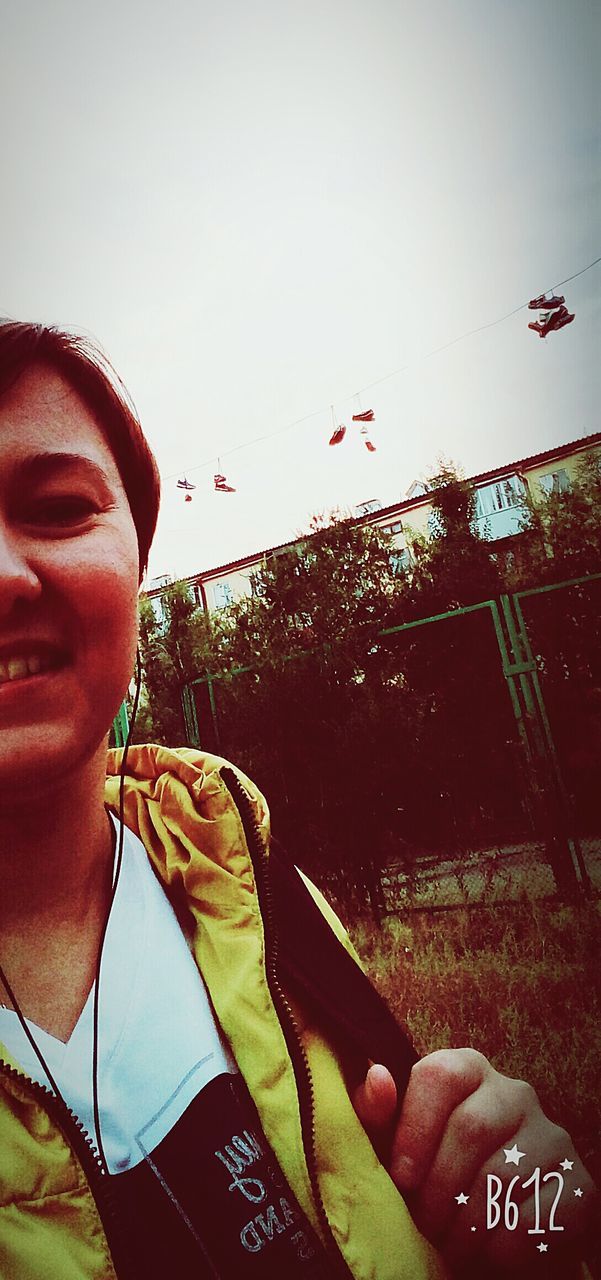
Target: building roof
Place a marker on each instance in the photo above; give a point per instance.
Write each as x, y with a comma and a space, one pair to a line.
402, 504
536, 459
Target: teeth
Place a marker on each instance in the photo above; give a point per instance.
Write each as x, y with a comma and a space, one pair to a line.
16, 668
20, 667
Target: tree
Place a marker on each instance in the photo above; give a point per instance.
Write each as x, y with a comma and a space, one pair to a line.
366, 745
321, 592
294, 703
562, 530
172, 648
455, 566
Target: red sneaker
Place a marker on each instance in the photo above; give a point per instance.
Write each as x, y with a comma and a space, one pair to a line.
548, 303
563, 319
221, 484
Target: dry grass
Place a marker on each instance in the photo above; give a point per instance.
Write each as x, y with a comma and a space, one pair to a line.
518, 981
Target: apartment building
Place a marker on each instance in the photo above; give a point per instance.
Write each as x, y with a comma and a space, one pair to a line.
501, 505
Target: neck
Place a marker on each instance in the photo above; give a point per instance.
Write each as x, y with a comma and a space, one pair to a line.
55, 874
55, 854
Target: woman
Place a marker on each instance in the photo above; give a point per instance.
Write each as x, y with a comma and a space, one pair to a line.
143, 994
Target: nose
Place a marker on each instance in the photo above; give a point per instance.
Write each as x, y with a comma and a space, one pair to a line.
18, 579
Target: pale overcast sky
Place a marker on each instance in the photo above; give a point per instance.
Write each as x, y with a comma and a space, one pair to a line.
260, 206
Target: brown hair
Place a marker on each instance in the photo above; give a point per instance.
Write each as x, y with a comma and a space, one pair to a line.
89, 372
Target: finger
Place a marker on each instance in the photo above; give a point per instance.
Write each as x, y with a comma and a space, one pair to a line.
475, 1133
438, 1084
375, 1100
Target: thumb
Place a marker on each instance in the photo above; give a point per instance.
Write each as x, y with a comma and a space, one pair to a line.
375, 1099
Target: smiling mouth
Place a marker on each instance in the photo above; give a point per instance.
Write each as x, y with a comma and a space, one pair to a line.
22, 667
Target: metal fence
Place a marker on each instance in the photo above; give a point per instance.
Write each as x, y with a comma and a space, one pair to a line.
461, 767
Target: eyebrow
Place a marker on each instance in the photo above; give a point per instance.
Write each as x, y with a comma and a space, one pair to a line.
42, 466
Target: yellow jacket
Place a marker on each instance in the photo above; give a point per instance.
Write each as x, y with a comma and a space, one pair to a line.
50, 1225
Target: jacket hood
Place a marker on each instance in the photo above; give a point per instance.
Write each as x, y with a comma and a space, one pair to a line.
178, 804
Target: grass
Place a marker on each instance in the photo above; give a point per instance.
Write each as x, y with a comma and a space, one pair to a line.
518, 981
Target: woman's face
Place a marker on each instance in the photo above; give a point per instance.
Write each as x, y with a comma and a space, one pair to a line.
68, 584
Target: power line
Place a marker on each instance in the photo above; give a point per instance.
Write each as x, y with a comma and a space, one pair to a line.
490, 324
247, 444
575, 276
480, 328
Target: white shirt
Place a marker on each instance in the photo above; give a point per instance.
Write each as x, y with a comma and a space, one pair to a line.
158, 1041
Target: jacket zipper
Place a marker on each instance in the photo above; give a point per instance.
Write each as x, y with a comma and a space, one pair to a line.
83, 1147
81, 1142
296, 1049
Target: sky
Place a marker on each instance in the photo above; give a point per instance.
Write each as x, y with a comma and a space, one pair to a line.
260, 209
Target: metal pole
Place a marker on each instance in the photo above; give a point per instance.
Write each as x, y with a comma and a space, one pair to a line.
121, 725
525, 670
190, 719
573, 842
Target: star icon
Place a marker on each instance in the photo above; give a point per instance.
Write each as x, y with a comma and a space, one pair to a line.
512, 1155
578, 1191
542, 1248
473, 1228
462, 1199
567, 1165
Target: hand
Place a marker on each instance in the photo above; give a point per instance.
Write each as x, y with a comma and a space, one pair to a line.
458, 1118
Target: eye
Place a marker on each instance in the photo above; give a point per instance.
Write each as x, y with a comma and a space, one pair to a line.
61, 511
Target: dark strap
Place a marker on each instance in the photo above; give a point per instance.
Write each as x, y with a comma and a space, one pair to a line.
320, 970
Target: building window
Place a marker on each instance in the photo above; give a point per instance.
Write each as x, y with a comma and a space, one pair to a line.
222, 594
393, 528
367, 508
400, 560
500, 496
416, 490
555, 482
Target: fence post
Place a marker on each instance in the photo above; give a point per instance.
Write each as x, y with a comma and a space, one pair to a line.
565, 804
190, 718
214, 716
121, 725
563, 851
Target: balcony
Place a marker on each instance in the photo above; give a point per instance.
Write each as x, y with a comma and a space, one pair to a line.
501, 509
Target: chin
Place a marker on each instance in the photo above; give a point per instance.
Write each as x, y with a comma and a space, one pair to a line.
38, 762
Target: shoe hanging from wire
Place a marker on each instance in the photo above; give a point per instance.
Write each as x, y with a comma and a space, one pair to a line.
364, 416
551, 320
338, 430
549, 304
220, 481
187, 486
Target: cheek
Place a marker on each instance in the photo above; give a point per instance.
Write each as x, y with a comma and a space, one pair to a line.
103, 592
105, 664
112, 614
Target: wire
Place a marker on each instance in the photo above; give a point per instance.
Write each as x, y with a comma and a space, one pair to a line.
568, 279
490, 324
17, 1008
95, 1038
119, 860
247, 444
